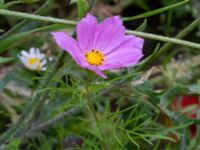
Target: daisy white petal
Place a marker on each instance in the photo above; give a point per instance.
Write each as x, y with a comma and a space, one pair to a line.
33, 60
43, 63
32, 51
40, 56
44, 68
37, 51
24, 53
23, 59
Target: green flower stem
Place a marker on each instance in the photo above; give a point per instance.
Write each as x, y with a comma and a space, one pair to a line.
40, 104
92, 110
20, 124
168, 45
36, 17
49, 123
164, 39
141, 34
154, 12
41, 10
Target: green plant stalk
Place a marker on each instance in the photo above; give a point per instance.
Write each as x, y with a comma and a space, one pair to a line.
53, 121
142, 34
183, 141
36, 17
5, 60
164, 39
28, 132
41, 10
30, 106
41, 102
92, 110
154, 12
15, 38
169, 45
91, 4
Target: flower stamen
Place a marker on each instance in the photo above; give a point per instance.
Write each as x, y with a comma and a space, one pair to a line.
94, 57
32, 61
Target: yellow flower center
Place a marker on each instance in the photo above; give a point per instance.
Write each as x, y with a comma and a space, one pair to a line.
33, 61
94, 57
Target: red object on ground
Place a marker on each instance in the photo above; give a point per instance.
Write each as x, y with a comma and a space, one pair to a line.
183, 103
189, 100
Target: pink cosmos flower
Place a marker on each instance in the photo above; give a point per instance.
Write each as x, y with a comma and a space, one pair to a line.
101, 46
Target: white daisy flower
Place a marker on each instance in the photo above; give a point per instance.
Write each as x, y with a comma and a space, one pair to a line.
33, 60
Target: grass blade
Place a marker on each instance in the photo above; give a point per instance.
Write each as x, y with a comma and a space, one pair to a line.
154, 12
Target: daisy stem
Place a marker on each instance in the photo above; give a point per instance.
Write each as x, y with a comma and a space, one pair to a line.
92, 110
31, 105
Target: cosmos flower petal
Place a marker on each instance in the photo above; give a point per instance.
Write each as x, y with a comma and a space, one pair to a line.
130, 58
97, 71
134, 41
110, 34
129, 41
85, 32
130, 50
114, 64
68, 44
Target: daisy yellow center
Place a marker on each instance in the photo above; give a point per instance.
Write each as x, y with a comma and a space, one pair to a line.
94, 57
33, 61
